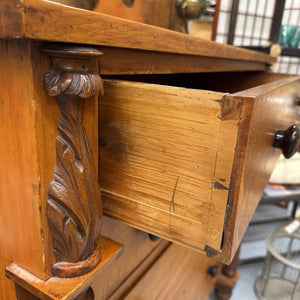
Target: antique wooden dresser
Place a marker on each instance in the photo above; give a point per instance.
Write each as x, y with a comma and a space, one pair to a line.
180, 134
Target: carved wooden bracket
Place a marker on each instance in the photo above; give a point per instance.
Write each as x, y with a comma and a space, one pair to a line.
74, 208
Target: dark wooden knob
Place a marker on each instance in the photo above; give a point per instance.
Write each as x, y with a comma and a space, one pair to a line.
288, 141
213, 271
153, 237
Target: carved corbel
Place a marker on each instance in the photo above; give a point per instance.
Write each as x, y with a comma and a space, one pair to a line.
74, 208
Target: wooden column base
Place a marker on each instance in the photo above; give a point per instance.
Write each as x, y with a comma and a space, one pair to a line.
70, 270
56, 288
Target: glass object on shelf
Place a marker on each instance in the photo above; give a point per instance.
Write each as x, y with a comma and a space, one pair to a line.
296, 39
289, 36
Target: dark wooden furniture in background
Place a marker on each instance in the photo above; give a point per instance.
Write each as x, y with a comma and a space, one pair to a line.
176, 161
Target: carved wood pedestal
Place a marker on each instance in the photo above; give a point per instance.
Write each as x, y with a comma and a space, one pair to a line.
56, 288
74, 208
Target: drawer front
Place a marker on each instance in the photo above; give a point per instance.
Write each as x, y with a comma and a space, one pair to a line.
180, 273
265, 109
137, 247
182, 163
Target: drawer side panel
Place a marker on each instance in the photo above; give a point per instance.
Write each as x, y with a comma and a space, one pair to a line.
158, 151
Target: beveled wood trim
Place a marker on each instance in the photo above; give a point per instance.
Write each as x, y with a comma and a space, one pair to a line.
63, 288
45, 20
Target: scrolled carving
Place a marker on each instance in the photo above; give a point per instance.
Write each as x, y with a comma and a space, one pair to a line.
74, 209
83, 85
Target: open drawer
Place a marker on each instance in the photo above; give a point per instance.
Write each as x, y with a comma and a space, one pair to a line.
190, 165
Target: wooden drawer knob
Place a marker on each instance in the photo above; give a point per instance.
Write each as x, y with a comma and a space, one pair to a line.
153, 238
288, 141
213, 271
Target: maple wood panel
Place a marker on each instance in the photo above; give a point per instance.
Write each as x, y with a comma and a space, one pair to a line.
179, 273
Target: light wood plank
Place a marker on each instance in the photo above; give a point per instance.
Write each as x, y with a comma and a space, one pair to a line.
21, 231
45, 20
158, 157
179, 273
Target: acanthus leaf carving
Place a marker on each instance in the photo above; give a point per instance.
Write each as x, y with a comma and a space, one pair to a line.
74, 209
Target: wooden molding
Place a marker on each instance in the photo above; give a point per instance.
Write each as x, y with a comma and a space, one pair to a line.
42, 20
74, 208
64, 288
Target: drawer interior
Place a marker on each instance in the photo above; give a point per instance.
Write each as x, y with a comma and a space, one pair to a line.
186, 160
224, 82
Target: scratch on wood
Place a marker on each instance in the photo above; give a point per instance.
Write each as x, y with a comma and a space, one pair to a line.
172, 203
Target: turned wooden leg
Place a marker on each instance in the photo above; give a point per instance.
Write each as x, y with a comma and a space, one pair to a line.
227, 279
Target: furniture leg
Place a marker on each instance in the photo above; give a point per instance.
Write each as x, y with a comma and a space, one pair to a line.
227, 279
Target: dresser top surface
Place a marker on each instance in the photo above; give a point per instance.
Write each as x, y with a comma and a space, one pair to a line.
49, 21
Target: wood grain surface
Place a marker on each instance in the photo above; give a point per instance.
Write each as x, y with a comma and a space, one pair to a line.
142, 268
137, 248
180, 273
28, 128
158, 151
175, 154
21, 230
74, 207
63, 288
50, 21
265, 109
